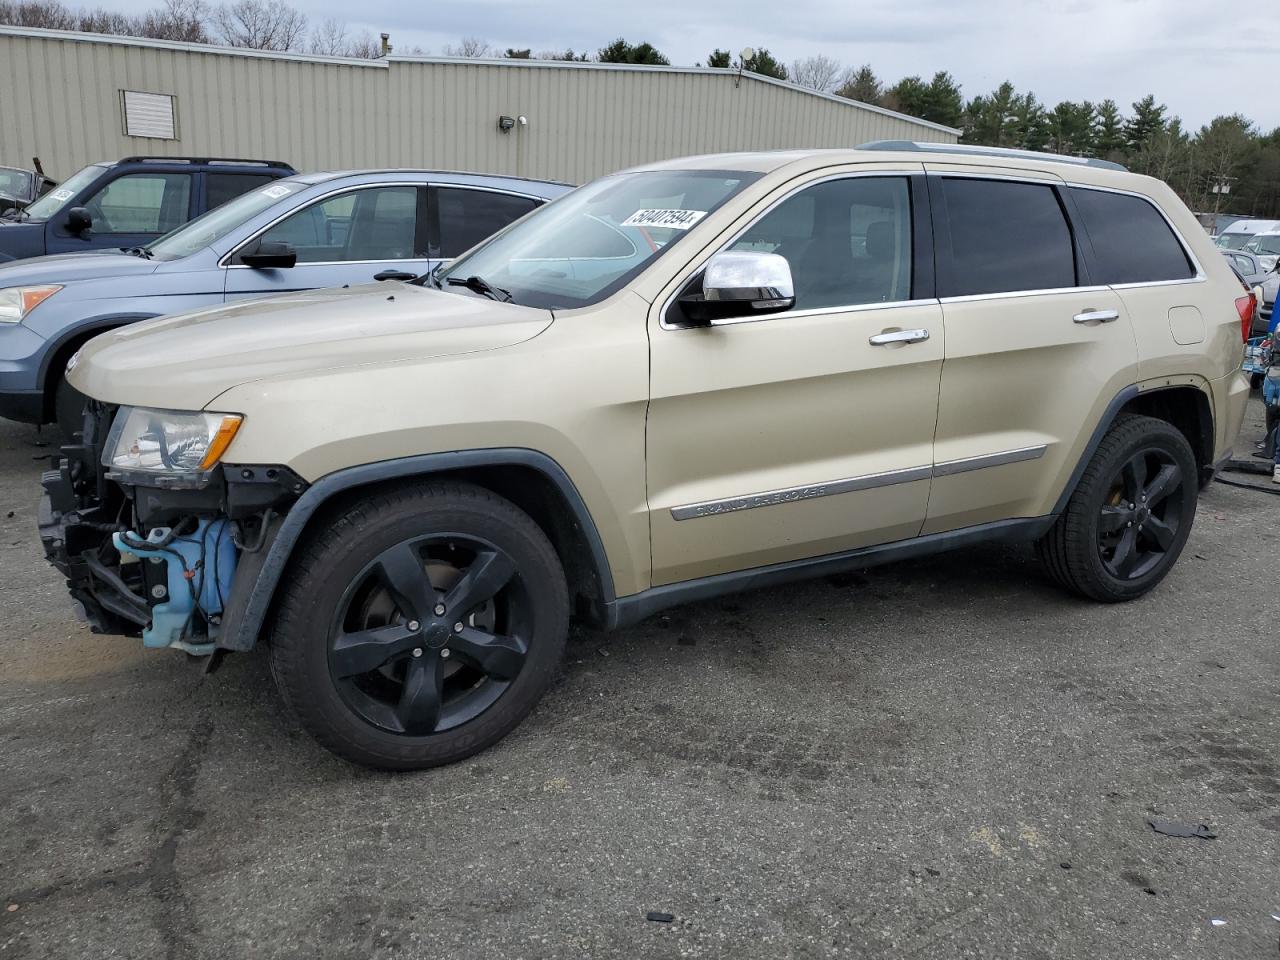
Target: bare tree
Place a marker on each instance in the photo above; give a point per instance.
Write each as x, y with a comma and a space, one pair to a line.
49, 14
818, 73
177, 20
468, 47
107, 21
259, 24
331, 39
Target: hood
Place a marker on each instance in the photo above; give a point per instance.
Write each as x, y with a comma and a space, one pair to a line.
184, 362
68, 267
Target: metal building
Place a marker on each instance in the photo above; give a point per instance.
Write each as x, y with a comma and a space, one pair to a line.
74, 98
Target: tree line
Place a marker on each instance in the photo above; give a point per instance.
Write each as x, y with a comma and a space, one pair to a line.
1227, 165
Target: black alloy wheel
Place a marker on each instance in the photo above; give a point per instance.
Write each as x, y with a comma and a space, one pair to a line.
1129, 516
1139, 521
430, 634
419, 625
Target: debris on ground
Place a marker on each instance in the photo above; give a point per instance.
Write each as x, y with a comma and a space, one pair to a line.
659, 917
1217, 921
1172, 828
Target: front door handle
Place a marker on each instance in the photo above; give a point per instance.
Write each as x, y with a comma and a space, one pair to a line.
1096, 316
394, 275
898, 336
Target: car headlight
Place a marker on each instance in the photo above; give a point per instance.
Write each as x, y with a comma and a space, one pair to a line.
17, 302
176, 446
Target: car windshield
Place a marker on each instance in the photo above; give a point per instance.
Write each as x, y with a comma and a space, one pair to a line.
15, 183
591, 242
1268, 244
217, 223
57, 198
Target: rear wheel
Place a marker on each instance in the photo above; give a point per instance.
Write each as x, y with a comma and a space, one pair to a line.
422, 626
1130, 515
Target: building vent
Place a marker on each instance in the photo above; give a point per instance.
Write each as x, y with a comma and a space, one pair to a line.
149, 115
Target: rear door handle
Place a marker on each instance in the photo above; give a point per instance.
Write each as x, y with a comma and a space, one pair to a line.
1096, 316
394, 275
898, 336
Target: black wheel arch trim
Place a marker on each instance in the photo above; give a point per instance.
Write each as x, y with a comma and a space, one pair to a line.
245, 619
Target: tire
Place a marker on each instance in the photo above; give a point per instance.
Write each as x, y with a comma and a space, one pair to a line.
352, 597
68, 410
1085, 549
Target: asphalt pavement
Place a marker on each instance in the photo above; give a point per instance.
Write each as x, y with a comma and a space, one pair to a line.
941, 758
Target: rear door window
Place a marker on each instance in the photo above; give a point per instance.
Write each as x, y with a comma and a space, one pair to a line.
1006, 236
1132, 241
466, 217
221, 187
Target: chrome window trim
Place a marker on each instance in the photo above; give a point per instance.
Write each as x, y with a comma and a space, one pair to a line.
1011, 294
1197, 268
870, 481
813, 311
225, 260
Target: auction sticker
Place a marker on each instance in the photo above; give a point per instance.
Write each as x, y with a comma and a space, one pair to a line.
276, 192
62, 194
671, 219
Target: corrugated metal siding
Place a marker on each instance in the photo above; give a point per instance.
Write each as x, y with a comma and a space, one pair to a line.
63, 94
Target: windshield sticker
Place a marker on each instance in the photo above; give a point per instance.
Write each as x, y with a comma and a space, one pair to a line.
276, 192
61, 194
671, 219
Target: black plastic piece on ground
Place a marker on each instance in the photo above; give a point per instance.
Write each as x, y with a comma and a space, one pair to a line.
1171, 828
658, 917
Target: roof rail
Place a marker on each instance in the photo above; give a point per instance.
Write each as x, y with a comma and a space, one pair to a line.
278, 164
912, 146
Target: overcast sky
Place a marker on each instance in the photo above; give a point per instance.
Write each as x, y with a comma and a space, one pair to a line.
1194, 55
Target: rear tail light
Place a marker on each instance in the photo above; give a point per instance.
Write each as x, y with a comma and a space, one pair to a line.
1245, 306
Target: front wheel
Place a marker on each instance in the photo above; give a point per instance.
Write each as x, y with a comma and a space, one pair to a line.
1130, 515
420, 627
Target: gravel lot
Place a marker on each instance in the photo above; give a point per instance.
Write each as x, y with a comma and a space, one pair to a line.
942, 758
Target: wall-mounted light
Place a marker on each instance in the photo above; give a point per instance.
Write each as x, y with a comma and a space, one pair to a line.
506, 123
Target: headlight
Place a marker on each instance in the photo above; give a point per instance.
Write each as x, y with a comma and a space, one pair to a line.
17, 302
173, 444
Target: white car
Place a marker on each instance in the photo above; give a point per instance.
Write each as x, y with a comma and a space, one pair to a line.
1266, 247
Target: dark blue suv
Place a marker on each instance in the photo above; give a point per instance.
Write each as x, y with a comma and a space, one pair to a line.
128, 203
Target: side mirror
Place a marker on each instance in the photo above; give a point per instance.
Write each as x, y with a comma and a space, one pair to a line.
271, 255
741, 283
78, 221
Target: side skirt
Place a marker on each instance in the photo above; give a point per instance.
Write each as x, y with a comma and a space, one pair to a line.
626, 611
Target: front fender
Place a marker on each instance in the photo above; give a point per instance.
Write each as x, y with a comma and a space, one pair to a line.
251, 600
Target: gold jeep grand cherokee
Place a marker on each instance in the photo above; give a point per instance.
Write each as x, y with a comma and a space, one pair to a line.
685, 379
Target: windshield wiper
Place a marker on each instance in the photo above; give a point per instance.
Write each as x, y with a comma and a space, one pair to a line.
482, 286
142, 252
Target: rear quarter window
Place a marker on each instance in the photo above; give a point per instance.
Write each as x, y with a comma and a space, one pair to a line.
1132, 241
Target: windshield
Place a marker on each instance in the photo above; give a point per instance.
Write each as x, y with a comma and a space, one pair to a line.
15, 183
56, 199
591, 242
217, 223
1267, 244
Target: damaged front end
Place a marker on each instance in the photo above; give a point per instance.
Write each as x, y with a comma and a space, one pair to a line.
169, 562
